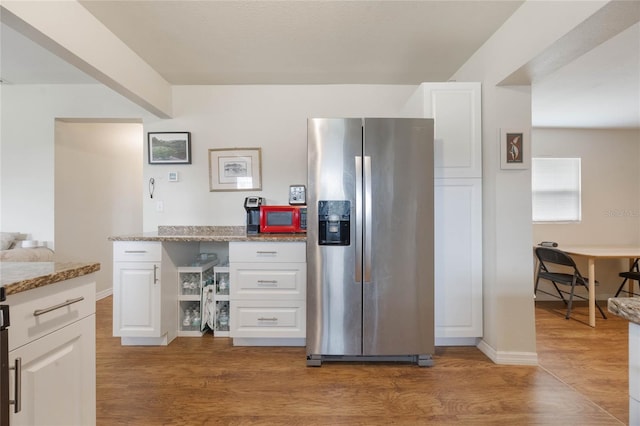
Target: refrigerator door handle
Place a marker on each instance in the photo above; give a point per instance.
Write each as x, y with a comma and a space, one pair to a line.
358, 262
367, 219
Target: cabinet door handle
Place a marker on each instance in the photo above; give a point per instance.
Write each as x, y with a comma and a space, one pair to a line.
155, 274
268, 319
39, 312
17, 402
266, 252
267, 282
135, 251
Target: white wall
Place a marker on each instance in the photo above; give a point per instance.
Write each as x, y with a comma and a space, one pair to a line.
98, 170
509, 323
273, 118
610, 194
28, 114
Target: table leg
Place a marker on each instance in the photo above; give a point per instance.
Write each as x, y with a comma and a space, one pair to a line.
592, 291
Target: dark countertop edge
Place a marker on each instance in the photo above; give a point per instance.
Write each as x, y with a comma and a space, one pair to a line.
625, 307
66, 273
211, 238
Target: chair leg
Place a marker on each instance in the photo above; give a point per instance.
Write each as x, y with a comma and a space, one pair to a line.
573, 286
601, 311
559, 293
621, 287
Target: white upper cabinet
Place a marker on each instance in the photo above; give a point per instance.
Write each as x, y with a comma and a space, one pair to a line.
456, 108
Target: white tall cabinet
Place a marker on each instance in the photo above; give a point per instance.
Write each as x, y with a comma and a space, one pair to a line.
456, 108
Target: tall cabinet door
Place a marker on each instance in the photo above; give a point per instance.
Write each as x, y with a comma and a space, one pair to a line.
456, 108
136, 299
458, 258
398, 237
334, 294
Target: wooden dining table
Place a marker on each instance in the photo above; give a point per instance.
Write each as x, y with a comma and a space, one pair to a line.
592, 253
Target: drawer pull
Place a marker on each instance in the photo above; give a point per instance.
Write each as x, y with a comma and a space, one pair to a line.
266, 252
268, 319
135, 251
268, 282
17, 386
39, 312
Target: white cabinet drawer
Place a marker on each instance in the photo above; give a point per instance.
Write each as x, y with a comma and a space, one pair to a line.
69, 301
272, 319
267, 252
137, 251
268, 281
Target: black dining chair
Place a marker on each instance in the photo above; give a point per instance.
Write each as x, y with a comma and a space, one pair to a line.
632, 274
558, 267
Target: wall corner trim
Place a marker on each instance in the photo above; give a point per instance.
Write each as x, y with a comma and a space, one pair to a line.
507, 357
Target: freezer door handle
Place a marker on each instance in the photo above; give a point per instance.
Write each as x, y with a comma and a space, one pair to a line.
358, 262
367, 219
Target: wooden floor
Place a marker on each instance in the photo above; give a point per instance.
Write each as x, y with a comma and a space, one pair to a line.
581, 380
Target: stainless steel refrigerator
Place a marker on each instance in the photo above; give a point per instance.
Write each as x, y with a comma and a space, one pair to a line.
370, 240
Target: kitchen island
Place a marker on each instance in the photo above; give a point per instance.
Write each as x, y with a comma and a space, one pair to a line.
51, 341
629, 309
17, 277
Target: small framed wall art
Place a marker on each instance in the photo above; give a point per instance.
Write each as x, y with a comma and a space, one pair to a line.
169, 147
514, 149
235, 169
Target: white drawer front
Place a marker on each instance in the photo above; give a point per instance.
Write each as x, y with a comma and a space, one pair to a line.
137, 251
268, 319
72, 299
268, 281
267, 252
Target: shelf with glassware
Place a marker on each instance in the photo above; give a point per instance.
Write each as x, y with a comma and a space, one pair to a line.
221, 300
192, 280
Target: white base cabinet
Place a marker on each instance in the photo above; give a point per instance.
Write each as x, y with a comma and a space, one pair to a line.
268, 293
137, 292
56, 352
145, 294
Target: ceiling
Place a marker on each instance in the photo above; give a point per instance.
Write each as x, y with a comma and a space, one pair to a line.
339, 42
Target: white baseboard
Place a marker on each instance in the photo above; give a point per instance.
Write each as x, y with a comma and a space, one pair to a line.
508, 358
457, 341
104, 293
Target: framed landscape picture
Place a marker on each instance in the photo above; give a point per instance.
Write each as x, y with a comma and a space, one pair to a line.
169, 147
236, 169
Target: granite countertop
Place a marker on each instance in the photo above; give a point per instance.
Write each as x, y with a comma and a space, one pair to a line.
207, 234
625, 307
16, 277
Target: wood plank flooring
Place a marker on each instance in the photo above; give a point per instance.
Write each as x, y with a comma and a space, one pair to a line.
581, 380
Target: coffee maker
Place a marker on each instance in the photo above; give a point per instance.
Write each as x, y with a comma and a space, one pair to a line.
252, 206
